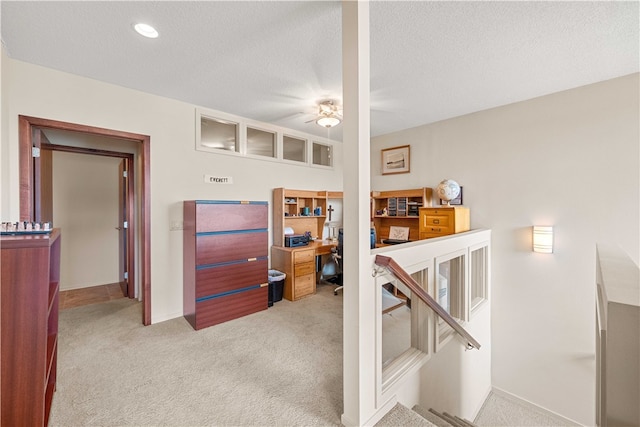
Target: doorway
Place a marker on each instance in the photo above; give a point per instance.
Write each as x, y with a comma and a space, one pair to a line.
92, 199
35, 183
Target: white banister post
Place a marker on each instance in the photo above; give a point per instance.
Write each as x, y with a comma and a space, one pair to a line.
359, 297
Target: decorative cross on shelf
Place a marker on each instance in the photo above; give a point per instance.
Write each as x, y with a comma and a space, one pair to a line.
330, 210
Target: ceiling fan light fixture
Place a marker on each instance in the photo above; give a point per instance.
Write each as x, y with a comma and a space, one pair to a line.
328, 115
328, 121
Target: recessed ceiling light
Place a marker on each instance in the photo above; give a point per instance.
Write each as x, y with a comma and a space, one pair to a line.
146, 30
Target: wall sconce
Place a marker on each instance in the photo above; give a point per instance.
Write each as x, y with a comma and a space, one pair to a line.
543, 239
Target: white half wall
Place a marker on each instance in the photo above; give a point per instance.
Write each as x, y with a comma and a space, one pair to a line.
570, 160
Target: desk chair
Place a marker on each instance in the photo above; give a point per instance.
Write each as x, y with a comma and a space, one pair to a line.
334, 266
332, 269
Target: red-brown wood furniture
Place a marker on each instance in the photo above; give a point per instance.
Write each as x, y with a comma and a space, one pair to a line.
225, 261
30, 275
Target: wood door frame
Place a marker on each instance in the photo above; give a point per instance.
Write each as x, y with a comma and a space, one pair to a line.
129, 203
27, 124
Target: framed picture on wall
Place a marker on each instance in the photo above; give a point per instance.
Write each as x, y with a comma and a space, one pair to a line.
396, 160
456, 201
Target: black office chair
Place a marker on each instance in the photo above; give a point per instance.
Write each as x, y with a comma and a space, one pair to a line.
336, 254
334, 267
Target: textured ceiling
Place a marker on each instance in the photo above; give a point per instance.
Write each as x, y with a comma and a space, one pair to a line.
272, 61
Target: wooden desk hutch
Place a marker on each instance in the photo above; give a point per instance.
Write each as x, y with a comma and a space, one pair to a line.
398, 208
299, 263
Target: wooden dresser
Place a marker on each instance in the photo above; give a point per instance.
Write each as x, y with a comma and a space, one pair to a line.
299, 264
443, 220
30, 276
225, 261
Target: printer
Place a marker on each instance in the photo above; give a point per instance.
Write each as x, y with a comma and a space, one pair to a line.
295, 240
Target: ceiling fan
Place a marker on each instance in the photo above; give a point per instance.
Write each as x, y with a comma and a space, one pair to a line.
329, 115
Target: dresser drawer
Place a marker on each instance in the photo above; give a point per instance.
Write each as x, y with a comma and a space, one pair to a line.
232, 215
230, 277
304, 268
217, 310
303, 256
219, 248
444, 220
438, 231
304, 285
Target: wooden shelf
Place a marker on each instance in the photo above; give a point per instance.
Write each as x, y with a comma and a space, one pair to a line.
401, 209
30, 275
288, 205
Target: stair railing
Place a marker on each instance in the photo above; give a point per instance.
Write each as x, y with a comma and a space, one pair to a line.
391, 265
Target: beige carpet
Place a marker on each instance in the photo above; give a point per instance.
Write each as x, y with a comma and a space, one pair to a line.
503, 411
401, 416
279, 367
282, 366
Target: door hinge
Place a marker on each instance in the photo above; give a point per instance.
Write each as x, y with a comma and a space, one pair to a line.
126, 275
124, 174
126, 224
35, 152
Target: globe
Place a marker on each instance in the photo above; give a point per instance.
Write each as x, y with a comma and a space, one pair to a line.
448, 190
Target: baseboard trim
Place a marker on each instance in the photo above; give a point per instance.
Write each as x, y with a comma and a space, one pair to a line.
166, 317
562, 420
346, 421
77, 287
377, 416
479, 408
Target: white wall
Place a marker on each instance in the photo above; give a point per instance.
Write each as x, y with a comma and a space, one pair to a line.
85, 207
177, 169
570, 160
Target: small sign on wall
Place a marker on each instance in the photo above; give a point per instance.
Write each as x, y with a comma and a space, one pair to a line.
212, 179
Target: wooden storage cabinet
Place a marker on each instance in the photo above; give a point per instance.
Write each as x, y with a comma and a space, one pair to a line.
398, 208
30, 279
225, 261
442, 221
300, 262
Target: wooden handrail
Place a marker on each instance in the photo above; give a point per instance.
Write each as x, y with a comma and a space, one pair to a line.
390, 264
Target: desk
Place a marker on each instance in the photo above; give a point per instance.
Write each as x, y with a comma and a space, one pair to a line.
299, 265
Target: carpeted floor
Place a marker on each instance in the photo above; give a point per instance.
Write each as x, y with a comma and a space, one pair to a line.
278, 367
500, 410
281, 366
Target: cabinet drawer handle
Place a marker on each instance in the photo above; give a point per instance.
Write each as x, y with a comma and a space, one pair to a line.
436, 221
